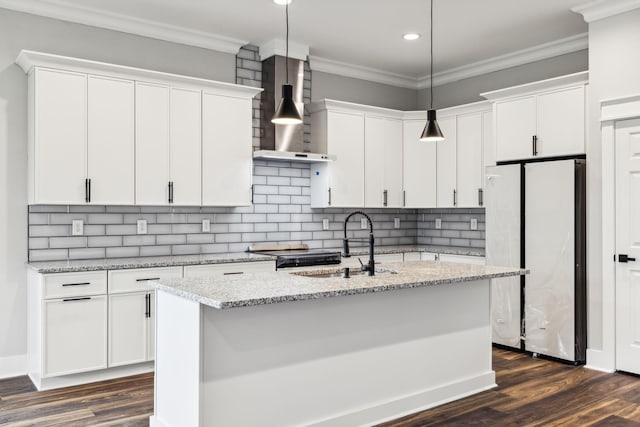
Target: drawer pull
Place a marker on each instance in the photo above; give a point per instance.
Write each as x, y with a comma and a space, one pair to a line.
76, 299
147, 305
76, 284
146, 280
232, 272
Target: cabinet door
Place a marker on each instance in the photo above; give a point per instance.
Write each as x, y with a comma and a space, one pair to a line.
128, 324
186, 146
469, 160
383, 162
345, 139
152, 144
59, 137
446, 168
488, 141
419, 168
561, 122
226, 150
74, 335
151, 327
110, 140
515, 127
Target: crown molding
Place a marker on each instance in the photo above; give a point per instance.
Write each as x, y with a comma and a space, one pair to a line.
600, 9
360, 72
514, 59
279, 47
58, 9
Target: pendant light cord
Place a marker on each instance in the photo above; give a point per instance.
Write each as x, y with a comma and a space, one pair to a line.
287, 45
431, 57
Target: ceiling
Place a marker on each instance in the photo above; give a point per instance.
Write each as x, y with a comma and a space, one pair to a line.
364, 33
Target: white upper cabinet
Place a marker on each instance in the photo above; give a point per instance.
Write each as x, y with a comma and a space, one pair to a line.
446, 163
469, 160
57, 137
226, 150
419, 166
540, 119
383, 162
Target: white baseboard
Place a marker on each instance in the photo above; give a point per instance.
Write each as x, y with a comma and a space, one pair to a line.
13, 366
89, 377
600, 360
154, 421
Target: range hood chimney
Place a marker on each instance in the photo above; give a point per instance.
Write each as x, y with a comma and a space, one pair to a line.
284, 142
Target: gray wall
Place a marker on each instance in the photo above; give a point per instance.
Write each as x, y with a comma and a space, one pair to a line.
24, 31
468, 90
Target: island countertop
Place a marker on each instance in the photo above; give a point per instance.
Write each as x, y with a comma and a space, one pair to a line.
251, 289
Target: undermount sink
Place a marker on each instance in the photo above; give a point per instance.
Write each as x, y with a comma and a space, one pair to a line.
323, 274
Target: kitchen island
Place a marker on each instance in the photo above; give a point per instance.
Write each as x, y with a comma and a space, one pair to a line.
306, 348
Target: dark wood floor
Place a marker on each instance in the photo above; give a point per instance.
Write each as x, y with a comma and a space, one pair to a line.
531, 392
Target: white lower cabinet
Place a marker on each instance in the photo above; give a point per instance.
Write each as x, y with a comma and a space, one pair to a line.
463, 259
229, 268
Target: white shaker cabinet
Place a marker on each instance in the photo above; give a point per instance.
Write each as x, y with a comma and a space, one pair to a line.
383, 162
469, 166
446, 164
561, 122
185, 163
515, 128
226, 150
419, 166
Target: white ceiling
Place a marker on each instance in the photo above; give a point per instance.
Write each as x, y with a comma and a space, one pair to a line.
365, 33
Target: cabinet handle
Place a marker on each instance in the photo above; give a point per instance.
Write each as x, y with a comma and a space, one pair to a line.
76, 299
146, 280
170, 191
147, 305
384, 197
232, 272
251, 193
329, 196
480, 196
76, 284
535, 145
455, 198
87, 190
404, 198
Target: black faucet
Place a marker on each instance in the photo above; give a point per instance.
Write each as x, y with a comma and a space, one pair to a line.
370, 266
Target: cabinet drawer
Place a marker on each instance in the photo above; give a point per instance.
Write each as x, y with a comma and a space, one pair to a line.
229, 268
135, 280
61, 285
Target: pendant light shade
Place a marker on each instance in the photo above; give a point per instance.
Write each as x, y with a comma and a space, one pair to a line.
287, 113
431, 132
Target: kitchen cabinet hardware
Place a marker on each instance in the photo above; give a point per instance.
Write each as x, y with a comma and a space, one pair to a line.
147, 306
76, 299
251, 193
404, 198
87, 190
625, 258
329, 196
480, 196
229, 273
385, 194
76, 284
535, 145
455, 198
170, 191
146, 280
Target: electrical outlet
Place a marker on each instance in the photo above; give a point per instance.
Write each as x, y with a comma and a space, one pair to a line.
396, 222
206, 225
438, 223
142, 226
473, 223
77, 227
325, 223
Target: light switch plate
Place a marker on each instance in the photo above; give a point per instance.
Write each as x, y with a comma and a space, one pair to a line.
396, 222
363, 223
325, 223
438, 223
474, 223
206, 225
142, 226
77, 227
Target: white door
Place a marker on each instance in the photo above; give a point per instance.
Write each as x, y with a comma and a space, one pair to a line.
503, 249
446, 165
393, 165
419, 167
152, 144
628, 243
550, 256
515, 127
60, 137
128, 324
110, 141
469, 160
383, 162
226, 150
560, 128
186, 146
345, 139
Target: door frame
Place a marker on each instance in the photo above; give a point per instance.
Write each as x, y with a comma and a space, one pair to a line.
611, 112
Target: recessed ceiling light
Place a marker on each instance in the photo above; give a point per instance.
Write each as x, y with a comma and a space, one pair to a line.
282, 2
408, 36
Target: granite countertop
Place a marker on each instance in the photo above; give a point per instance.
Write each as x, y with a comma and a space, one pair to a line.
251, 289
180, 260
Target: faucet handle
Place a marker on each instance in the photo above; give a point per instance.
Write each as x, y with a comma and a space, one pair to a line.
362, 266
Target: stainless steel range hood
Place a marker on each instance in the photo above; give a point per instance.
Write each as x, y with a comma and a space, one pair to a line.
283, 142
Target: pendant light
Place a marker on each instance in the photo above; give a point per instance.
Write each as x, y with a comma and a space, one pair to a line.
287, 113
431, 132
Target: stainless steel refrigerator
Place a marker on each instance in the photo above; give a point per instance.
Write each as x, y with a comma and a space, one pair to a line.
535, 219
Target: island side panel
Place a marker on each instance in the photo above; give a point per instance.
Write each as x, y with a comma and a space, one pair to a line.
344, 361
178, 362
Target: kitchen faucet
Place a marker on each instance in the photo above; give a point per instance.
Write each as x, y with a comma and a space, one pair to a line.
370, 266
